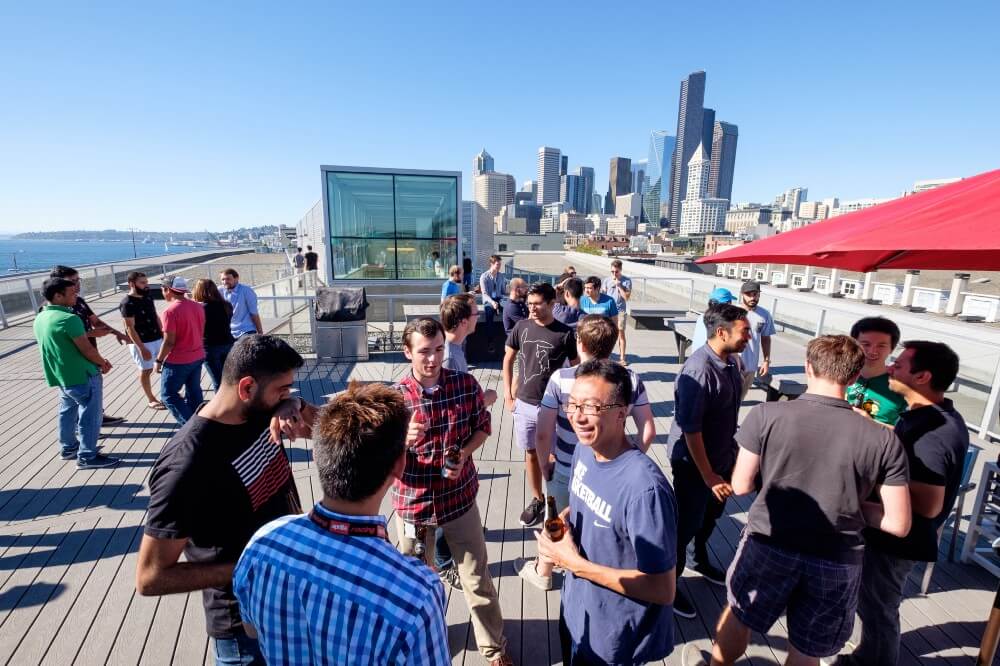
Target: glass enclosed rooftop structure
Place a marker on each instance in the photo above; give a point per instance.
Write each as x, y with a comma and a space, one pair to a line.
391, 224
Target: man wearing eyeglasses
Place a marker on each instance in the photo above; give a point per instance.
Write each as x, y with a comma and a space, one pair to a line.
620, 547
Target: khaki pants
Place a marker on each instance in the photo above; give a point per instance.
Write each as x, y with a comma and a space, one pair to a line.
468, 548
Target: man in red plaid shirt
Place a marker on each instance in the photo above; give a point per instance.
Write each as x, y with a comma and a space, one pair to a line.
448, 414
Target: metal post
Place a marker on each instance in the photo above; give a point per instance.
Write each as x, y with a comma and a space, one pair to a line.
391, 315
31, 295
819, 324
690, 295
97, 281
992, 411
274, 299
3, 316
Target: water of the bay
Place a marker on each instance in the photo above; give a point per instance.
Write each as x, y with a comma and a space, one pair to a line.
36, 255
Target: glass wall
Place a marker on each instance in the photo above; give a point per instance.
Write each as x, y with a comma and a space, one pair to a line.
392, 226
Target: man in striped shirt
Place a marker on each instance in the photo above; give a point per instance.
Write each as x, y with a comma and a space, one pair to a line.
595, 339
374, 605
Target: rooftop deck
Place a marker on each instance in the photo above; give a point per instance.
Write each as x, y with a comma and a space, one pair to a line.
68, 539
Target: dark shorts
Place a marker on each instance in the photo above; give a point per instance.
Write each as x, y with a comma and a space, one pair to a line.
819, 596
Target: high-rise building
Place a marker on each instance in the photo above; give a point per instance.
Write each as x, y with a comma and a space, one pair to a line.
701, 214
690, 117
493, 190
639, 178
482, 163
595, 206
619, 181
476, 219
586, 175
791, 199
572, 194
530, 186
549, 161
564, 165
658, 168
707, 126
720, 179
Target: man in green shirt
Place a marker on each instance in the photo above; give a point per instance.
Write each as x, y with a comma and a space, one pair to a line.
71, 363
870, 394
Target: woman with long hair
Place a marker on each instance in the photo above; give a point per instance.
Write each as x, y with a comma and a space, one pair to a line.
218, 340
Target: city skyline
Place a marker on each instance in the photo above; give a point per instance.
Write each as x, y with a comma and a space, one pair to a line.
187, 117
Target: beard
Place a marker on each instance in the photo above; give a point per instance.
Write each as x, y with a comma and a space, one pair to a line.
142, 292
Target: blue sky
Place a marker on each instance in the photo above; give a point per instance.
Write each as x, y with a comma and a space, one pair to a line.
216, 115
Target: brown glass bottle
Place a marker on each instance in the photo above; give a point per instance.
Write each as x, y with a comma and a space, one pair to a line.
554, 525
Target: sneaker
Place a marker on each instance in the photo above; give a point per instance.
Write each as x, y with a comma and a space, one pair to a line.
693, 656
111, 420
532, 514
97, 462
710, 573
525, 568
683, 606
72, 455
449, 576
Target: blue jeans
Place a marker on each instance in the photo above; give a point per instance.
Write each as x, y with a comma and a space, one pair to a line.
215, 358
81, 407
175, 376
240, 649
882, 580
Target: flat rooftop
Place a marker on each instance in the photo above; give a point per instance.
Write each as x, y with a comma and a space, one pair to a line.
68, 539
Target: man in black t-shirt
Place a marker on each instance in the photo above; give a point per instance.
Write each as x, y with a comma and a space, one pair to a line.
143, 328
541, 345
92, 324
936, 440
312, 259
219, 479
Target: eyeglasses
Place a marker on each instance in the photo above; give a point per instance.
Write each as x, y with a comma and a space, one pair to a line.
589, 410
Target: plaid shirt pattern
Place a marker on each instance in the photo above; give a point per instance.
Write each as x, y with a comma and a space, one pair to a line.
321, 598
456, 410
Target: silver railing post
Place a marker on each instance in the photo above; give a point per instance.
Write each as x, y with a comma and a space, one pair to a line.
3, 315
274, 300
691, 295
819, 324
251, 275
31, 295
992, 410
97, 281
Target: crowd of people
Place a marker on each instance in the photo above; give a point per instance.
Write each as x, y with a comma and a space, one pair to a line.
853, 479
197, 328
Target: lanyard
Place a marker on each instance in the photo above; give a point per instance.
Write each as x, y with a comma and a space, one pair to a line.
345, 528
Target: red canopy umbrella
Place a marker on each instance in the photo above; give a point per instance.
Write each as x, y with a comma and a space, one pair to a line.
954, 227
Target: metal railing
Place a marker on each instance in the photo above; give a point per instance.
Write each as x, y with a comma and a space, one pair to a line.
22, 296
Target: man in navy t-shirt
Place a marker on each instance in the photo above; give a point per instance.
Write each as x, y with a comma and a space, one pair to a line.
620, 548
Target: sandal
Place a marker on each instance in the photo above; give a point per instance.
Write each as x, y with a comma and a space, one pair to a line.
156, 404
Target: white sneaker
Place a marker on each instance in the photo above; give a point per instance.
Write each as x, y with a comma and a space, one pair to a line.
526, 569
693, 656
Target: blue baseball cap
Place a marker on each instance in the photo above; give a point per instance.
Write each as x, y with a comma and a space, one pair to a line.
722, 295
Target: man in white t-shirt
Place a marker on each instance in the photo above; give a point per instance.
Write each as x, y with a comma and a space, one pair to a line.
619, 288
555, 439
756, 357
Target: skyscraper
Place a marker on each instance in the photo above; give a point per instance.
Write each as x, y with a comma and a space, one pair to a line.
548, 175
720, 179
586, 175
658, 169
707, 127
493, 191
619, 180
482, 163
701, 214
690, 117
564, 165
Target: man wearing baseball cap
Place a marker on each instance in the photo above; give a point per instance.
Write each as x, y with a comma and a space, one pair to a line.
719, 295
756, 357
182, 352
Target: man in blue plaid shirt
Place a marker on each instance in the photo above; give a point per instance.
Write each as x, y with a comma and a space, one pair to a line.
328, 587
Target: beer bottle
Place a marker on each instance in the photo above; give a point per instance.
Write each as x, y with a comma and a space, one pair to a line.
419, 547
452, 460
554, 525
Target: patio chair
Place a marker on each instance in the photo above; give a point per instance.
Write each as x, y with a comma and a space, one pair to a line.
956, 516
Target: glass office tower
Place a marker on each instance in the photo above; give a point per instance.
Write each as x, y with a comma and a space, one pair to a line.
391, 224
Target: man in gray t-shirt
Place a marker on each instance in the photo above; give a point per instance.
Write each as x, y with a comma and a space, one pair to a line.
757, 355
619, 288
